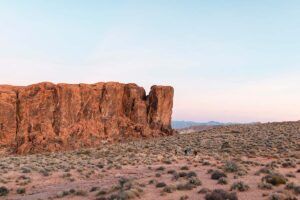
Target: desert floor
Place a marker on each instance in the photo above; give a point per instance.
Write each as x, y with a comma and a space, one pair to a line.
259, 161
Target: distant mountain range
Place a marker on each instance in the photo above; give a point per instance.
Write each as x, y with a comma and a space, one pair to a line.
186, 124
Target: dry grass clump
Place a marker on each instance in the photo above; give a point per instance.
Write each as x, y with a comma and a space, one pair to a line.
3, 191
216, 175
282, 195
265, 186
21, 191
123, 191
185, 186
231, 167
161, 168
204, 191
169, 189
240, 186
161, 185
223, 181
220, 194
275, 179
184, 168
292, 186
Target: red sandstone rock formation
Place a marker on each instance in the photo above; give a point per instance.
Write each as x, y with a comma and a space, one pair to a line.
48, 117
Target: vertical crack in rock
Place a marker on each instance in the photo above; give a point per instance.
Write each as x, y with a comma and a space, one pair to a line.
56, 112
18, 119
103, 91
81, 104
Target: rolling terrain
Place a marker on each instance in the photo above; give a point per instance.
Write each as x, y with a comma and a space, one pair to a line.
257, 161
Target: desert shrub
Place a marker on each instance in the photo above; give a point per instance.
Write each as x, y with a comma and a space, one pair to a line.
191, 174
186, 186
231, 166
168, 162
72, 191
80, 193
161, 168
3, 191
93, 189
216, 175
101, 198
171, 171
62, 194
25, 170
44, 172
297, 190
169, 189
265, 186
276, 196
128, 194
184, 197
100, 165
240, 186
225, 145
290, 175
184, 168
264, 170
279, 195
223, 181
123, 181
101, 192
235, 131
152, 181
220, 194
84, 152
21, 191
289, 164
204, 191
290, 186
206, 163
66, 175
195, 181
275, 179
175, 176
182, 174
241, 172
160, 185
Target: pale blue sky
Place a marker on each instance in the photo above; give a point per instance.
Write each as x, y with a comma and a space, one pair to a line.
227, 60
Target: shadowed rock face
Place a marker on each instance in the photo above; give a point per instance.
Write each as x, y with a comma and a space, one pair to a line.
49, 117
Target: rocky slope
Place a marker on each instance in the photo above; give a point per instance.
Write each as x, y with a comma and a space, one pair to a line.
50, 117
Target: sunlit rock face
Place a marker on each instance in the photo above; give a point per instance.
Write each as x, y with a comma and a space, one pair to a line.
51, 117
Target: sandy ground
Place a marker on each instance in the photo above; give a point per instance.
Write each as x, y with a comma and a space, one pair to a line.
41, 187
178, 167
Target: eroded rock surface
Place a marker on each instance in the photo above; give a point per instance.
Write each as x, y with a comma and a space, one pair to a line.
49, 117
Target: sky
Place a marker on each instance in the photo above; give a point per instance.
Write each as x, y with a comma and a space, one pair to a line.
228, 60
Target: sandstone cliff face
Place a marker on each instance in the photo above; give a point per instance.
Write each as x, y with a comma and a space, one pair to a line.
49, 117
